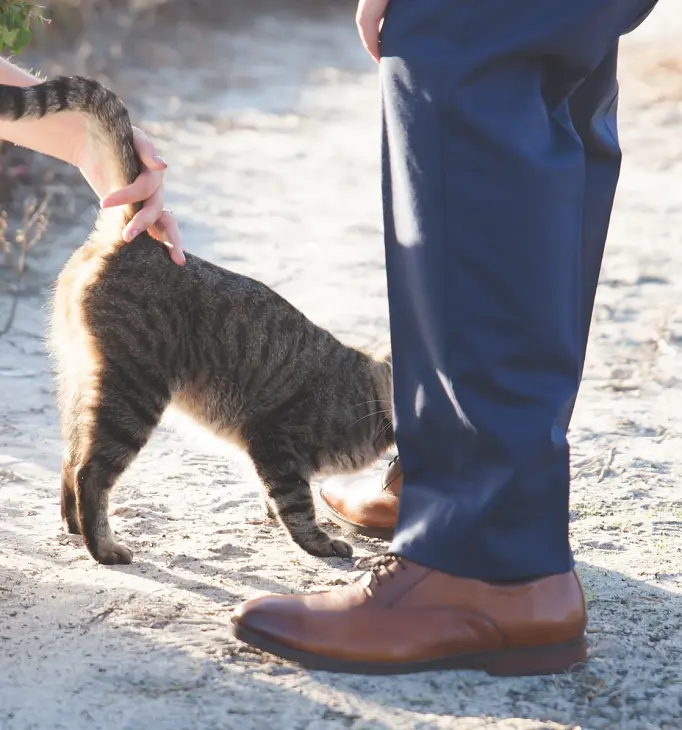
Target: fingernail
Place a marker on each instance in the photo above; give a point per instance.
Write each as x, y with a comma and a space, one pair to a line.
160, 160
132, 234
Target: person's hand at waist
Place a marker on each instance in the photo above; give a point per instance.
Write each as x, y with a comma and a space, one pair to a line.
369, 18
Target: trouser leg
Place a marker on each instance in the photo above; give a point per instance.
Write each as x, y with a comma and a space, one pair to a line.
484, 197
593, 108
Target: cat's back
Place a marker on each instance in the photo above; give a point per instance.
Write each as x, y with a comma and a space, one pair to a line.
135, 291
97, 278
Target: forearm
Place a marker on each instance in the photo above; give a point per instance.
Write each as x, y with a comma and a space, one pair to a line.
61, 136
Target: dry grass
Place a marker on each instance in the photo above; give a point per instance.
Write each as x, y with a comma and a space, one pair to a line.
16, 246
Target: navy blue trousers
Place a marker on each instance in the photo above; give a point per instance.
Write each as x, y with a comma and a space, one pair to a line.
500, 165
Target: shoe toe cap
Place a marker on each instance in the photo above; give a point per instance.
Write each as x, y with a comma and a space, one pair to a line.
334, 492
271, 616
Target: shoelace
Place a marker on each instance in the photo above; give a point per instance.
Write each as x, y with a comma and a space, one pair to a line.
374, 563
393, 461
385, 484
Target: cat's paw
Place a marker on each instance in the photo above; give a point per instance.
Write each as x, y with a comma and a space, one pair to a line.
112, 553
342, 549
328, 548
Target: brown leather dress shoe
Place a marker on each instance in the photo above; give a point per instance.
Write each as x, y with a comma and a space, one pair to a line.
400, 617
365, 506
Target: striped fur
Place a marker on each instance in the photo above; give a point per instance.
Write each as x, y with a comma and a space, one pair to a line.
132, 333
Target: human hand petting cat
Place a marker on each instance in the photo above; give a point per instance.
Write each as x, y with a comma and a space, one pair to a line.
148, 187
369, 18
65, 136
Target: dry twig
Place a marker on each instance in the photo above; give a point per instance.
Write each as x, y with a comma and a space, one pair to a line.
17, 248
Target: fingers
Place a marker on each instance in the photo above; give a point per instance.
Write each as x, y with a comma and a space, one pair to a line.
370, 40
145, 185
368, 20
160, 223
147, 152
145, 218
148, 187
167, 231
147, 182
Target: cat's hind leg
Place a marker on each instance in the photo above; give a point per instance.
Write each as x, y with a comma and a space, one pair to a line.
67, 390
269, 508
69, 506
120, 421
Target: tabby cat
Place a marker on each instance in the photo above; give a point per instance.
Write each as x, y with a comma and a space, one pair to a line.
132, 333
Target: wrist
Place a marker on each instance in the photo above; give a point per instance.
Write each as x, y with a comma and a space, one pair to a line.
63, 135
75, 138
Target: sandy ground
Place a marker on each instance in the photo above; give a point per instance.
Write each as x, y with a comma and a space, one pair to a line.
274, 172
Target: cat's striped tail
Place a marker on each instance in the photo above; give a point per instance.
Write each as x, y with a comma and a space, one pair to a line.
106, 116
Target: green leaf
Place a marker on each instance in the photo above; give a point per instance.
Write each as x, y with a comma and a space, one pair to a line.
13, 19
15, 24
22, 40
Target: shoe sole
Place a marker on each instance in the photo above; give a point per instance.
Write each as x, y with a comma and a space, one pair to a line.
381, 533
534, 661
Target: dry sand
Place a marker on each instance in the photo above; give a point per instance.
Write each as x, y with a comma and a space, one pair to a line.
274, 172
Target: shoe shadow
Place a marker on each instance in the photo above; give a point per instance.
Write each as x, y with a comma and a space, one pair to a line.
164, 657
